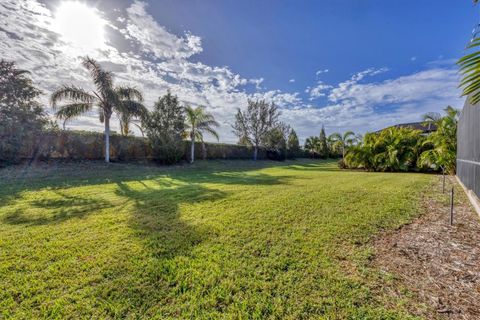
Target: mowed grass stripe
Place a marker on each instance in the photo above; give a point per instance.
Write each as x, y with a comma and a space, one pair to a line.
233, 239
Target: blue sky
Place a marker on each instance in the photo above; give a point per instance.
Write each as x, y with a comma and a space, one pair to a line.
357, 65
281, 40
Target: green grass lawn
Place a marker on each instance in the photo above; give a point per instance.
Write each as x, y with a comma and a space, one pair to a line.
233, 240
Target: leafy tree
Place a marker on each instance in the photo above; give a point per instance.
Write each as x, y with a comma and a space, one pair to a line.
442, 143
253, 124
342, 142
323, 150
164, 127
21, 116
393, 149
293, 145
106, 97
198, 122
275, 141
275, 144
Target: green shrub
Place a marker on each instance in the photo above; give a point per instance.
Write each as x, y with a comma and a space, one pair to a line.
164, 127
393, 149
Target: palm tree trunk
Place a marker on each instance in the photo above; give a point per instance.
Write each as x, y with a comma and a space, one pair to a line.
343, 152
192, 149
107, 139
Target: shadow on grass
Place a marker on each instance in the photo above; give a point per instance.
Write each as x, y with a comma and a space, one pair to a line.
62, 207
156, 216
322, 165
69, 176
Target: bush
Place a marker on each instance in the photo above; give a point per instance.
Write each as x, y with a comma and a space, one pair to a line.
341, 164
393, 149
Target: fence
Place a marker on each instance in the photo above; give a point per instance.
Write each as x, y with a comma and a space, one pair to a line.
468, 147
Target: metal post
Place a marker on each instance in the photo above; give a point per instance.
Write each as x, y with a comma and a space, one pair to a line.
451, 208
443, 188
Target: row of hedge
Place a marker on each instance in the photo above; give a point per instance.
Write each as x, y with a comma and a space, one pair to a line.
86, 145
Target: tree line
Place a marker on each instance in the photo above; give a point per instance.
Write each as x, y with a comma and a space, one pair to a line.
333, 146
167, 125
170, 123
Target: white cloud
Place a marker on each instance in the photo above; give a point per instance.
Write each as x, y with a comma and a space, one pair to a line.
413, 58
319, 72
155, 60
337, 93
318, 91
371, 106
155, 39
428, 84
291, 80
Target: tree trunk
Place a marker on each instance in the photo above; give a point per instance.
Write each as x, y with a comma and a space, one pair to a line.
255, 152
107, 138
343, 152
204, 151
192, 149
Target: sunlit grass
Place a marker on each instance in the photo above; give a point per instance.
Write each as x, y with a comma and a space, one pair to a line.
217, 240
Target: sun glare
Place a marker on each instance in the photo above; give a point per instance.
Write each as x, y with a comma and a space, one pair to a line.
80, 25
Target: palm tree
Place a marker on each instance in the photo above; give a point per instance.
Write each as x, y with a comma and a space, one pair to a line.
342, 141
128, 117
442, 143
392, 149
198, 122
397, 149
106, 97
312, 145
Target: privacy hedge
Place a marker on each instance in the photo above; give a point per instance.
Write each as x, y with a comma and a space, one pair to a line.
87, 145
222, 151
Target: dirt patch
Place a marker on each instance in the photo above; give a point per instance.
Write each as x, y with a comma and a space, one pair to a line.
438, 263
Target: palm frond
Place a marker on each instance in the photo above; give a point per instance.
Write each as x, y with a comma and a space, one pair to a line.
470, 69
199, 121
335, 137
102, 79
129, 93
348, 134
212, 132
132, 108
71, 93
207, 123
73, 110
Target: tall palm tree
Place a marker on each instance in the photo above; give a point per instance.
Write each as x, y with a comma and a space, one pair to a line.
106, 97
198, 122
342, 141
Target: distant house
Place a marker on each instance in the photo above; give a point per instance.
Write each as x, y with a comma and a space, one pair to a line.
426, 128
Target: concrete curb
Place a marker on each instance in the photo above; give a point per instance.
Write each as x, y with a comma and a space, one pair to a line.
471, 196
